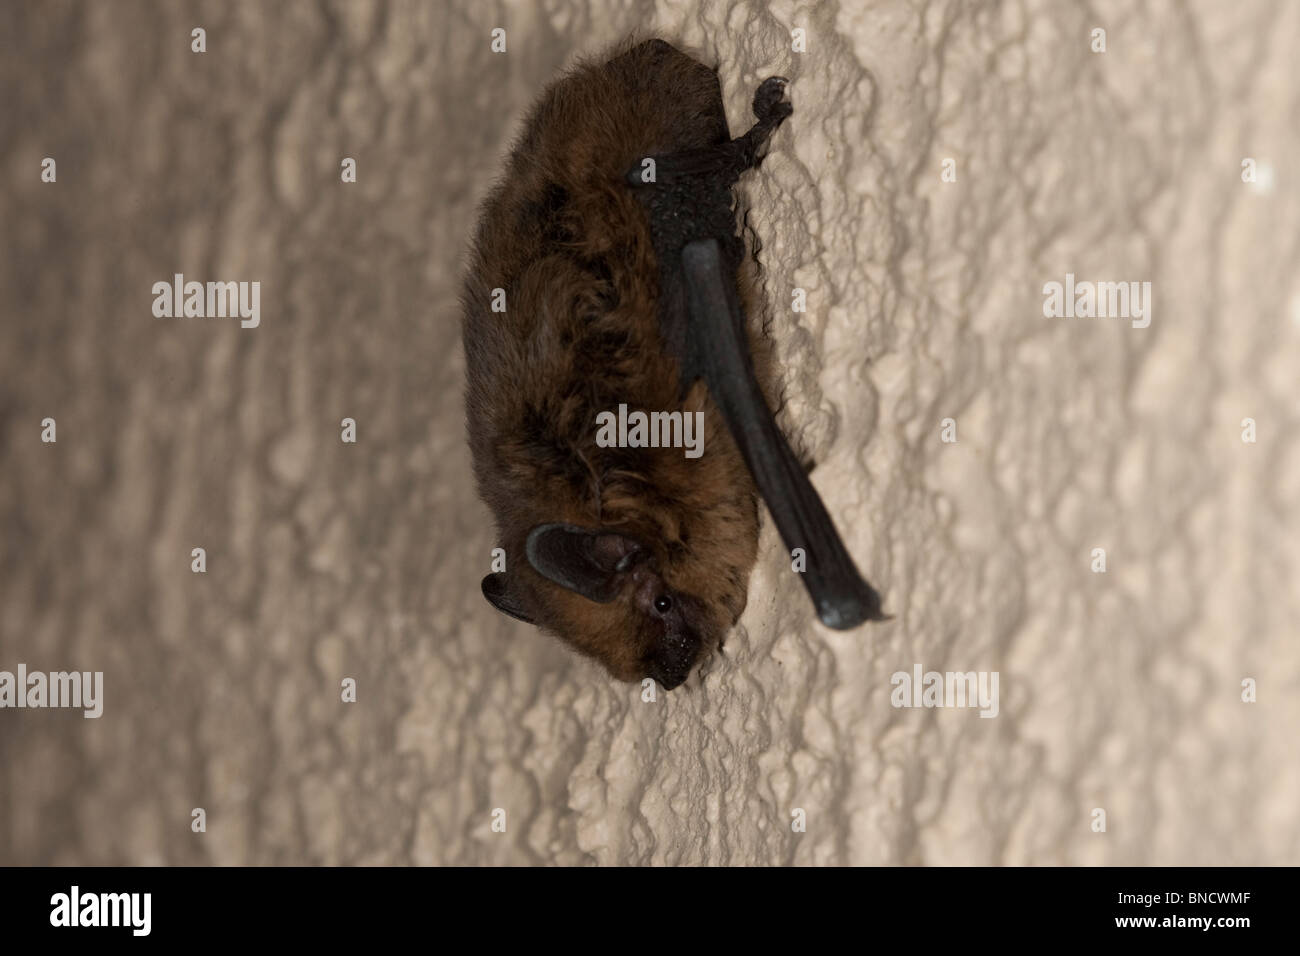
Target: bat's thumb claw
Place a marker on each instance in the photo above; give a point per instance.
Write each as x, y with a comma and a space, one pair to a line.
847, 609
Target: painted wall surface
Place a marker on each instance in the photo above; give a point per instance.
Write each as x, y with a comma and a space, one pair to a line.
1120, 691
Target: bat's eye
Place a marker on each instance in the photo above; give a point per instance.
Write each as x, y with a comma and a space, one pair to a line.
663, 604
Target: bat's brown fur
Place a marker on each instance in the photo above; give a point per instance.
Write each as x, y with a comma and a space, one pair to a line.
569, 243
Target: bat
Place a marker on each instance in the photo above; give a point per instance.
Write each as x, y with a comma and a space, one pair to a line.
606, 271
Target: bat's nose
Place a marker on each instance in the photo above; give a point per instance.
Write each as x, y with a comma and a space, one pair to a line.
669, 674
672, 664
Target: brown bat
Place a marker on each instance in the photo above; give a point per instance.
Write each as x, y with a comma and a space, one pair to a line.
607, 271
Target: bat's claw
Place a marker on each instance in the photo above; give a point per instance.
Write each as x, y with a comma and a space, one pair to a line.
771, 104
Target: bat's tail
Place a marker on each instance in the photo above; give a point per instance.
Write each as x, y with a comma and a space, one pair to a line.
719, 350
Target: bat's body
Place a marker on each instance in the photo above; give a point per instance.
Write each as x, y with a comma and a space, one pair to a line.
624, 291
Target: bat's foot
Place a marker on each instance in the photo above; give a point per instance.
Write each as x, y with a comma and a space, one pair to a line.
726, 161
689, 194
771, 105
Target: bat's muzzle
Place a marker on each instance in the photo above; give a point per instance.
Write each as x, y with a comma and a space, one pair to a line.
673, 661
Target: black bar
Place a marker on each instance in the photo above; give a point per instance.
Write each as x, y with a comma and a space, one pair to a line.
946, 907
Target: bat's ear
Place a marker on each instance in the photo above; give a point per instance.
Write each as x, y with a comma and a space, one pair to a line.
590, 562
499, 595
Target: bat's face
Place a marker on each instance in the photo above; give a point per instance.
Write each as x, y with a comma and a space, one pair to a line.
648, 630
608, 597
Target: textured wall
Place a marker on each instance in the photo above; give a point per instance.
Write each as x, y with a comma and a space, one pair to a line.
1119, 690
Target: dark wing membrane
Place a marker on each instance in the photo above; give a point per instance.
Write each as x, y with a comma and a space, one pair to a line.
717, 347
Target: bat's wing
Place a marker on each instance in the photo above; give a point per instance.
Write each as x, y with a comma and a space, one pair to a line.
693, 226
717, 345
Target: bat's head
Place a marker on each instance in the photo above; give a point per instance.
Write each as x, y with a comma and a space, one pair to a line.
606, 594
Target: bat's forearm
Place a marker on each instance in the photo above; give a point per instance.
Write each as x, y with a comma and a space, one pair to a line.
716, 340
